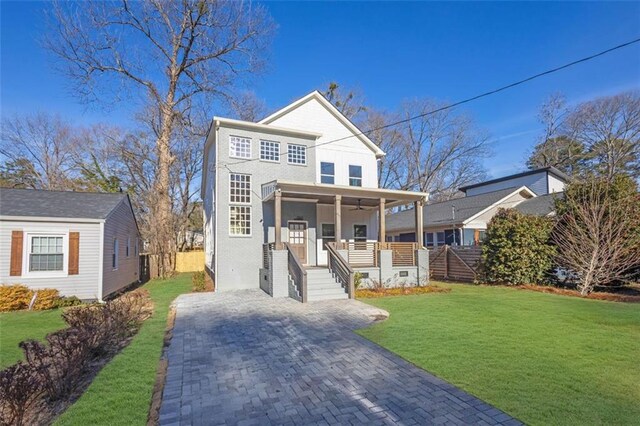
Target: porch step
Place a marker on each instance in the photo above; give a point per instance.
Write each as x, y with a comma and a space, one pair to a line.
321, 285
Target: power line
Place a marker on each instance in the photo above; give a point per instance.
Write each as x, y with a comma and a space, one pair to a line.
467, 100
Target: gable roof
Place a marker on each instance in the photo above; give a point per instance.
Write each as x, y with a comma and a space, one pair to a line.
542, 205
550, 170
465, 208
58, 204
316, 95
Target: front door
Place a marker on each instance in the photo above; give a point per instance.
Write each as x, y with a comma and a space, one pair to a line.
298, 240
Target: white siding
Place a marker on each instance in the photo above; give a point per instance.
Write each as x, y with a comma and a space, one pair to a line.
209, 206
313, 116
481, 221
83, 285
120, 224
555, 184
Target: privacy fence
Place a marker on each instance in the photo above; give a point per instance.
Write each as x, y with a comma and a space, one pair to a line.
455, 263
188, 261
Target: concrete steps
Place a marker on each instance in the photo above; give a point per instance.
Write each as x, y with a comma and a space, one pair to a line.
321, 285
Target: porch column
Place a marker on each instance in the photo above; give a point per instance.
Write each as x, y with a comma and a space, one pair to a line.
419, 223
278, 218
381, 223
337, 219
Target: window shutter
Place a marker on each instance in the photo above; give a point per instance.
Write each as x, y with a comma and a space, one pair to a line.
15, 269
74, 252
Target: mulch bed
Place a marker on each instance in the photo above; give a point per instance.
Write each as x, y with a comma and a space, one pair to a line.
398, 291
613, 297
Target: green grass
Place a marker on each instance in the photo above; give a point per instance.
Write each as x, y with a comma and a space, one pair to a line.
543, 358
121, 392
22, 325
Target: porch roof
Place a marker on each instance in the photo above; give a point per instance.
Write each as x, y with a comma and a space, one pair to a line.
351, 195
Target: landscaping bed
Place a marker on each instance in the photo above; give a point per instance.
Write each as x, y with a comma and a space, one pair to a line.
366, 293
542, 358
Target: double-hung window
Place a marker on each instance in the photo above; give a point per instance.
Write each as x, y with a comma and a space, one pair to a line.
327, 173
239, 147
46, 253
239, 204
355, 175
296, 154
128, 246
429, 239
270, 151
114, 255
440, 238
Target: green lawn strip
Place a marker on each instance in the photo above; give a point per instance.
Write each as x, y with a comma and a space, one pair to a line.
22, 325
121, 392
543, 358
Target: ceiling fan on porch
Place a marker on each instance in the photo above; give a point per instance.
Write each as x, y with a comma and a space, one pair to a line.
359, 206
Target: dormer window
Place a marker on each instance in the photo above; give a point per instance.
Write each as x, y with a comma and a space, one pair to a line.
355, 175
327, 173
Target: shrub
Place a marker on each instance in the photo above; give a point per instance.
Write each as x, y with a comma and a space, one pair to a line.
20, 390
197, 279
47, 299
357, 280
65, 302
14, 297
517, 248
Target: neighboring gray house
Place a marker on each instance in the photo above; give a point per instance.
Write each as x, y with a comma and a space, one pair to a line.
83, 244
292, 205
543, 205
542, 181
461, 221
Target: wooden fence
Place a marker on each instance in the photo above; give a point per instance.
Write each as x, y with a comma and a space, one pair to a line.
455, 263
188, 261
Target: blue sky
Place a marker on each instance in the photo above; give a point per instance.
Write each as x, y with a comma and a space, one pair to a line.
390, 52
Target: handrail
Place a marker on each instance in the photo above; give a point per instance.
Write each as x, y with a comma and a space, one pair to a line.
297, 272
341, 269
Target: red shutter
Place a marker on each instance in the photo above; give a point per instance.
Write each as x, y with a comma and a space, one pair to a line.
15, 269
74, 252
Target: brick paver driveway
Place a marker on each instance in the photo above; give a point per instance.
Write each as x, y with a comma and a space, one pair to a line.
245, 358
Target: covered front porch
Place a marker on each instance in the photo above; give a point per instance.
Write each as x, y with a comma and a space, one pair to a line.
346, 234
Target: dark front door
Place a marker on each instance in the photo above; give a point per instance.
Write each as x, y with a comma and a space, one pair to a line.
298, 240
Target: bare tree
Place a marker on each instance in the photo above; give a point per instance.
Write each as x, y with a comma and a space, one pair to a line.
38, 151
248, 107
597, 234
178, 56
443, 149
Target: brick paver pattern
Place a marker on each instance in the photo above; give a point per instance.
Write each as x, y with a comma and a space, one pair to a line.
245, 358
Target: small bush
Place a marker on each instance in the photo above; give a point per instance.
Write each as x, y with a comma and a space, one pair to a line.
47, 299
197, 279
14, 297
20, 390
65, 302
357, 280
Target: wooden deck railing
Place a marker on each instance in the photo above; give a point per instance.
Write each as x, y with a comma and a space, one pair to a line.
364, 253
361, 253
297, 273
341, 269
402, 254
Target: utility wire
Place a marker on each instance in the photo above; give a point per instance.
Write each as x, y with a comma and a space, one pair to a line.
471, 99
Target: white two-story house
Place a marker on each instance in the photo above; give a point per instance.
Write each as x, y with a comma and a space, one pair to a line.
292, 205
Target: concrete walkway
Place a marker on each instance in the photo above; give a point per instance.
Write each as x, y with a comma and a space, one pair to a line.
245, 358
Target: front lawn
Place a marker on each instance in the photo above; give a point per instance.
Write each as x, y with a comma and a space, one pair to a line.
121, 392
22, 325
543, 358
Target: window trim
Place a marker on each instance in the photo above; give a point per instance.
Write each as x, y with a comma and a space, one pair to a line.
26, 250
250, 234
289, 145
359, 179
233, 154
277, 152
127, 251
332, 176
115, 254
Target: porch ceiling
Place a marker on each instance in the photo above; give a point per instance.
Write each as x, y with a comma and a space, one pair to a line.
351, 195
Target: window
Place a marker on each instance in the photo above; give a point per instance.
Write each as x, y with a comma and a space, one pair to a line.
128, 246
328, 233
239, 147
296, 154
429, 239
355, 175
114, 255
239, 188
327, 173
360, 233
136, 247
440, 238
46, 253
270, 151
240, 220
